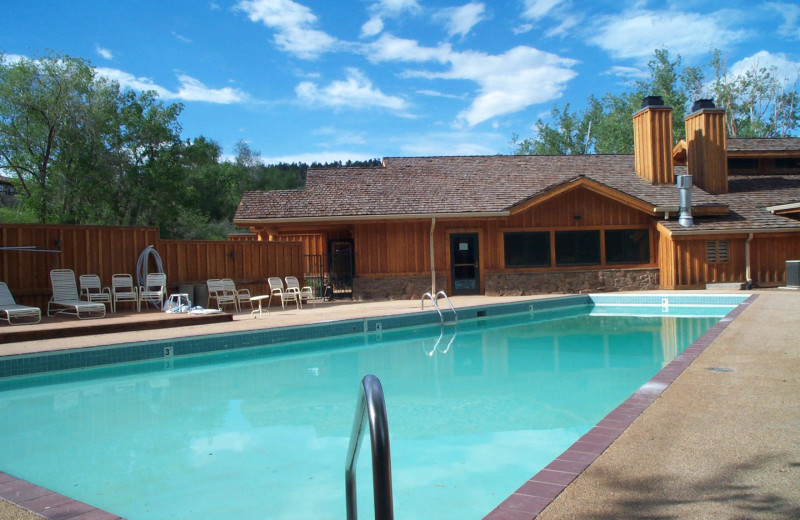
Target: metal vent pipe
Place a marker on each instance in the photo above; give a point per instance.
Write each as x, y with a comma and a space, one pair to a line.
685, 218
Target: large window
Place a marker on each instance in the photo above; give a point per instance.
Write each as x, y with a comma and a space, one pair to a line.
628, 246
577, 248
527, 249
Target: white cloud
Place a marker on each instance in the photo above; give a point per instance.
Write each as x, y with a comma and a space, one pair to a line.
786, 70
395, 7
509, 82
538, 9
190, 89
372, 27
356, 91
790, 28
392, 48
637, 34
436, 93
104, 53
293, 24
459, 21
127, 80
181, 37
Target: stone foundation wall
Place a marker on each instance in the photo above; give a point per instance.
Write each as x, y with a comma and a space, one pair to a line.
395, 288
514, 284
602, 280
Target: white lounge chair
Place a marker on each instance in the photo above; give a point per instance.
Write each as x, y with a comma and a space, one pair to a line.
154, 289
305, 293
123, 290
240, 295
276, 289
92, 290
14, 313
66, 298
223, 295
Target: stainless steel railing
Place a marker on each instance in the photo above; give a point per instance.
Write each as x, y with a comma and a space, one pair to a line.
370, 408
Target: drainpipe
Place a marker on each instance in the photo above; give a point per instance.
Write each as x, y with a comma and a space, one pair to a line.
747, 276
433, 268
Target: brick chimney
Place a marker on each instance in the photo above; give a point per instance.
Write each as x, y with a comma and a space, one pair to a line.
652, 141
706, 147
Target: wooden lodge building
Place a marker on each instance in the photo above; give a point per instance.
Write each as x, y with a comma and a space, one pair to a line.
501, 225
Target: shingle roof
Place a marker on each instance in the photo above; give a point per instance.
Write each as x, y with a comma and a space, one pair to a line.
408, 186
763, 145
451, 185
748, 197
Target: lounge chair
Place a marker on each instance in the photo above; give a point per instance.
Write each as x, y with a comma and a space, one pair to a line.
276, 289
123, 290
92, 290
66, 298
240, 295
223, 295
154, 289
14, 313
305, 293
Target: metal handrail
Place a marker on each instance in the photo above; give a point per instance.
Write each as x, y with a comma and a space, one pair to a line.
436, 305
455, 314
370, 406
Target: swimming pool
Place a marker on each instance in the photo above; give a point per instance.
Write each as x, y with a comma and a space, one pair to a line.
262, 432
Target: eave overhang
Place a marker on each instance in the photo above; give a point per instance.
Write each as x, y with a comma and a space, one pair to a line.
363, 218
716, 232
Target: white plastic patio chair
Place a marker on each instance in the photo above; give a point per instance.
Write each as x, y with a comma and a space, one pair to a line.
217, 291
305, 293
67, 300
123, 290
276, 289
92, 290
154, 290
14, 313
240, 295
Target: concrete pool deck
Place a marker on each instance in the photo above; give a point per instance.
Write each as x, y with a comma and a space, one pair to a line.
715, 444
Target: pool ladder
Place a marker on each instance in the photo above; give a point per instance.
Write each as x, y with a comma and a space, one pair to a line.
436, 306
370, 408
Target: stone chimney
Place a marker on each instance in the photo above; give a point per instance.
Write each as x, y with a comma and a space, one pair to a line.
652, 141
706, 147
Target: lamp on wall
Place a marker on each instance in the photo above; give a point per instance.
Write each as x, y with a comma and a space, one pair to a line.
577, 217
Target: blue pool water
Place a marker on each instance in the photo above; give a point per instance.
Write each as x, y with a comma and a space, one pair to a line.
474, 411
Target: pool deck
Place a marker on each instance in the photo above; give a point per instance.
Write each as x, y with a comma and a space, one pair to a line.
721, 441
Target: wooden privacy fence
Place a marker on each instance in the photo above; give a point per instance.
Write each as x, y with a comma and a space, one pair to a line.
29, 251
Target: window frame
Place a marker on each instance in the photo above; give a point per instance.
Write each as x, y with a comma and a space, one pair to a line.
547, 249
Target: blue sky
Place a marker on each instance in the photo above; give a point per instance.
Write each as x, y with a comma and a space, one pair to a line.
325, 80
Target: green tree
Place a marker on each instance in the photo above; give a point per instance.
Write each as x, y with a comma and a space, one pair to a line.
39, 101
757, 102
757, 105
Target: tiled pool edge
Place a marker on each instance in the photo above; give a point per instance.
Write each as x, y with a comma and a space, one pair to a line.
540, 490
47, 503
89, 357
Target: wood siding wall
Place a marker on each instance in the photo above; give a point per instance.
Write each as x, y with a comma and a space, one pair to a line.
652, 136
108, 250
684, 265
392, 248
706, 155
